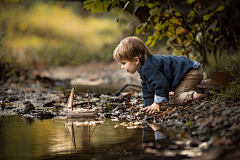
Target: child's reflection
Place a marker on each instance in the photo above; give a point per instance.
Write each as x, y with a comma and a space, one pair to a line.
154, 136
157, 134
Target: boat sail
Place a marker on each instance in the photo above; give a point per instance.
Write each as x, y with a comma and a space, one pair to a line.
81, 122
79, 117
72, 112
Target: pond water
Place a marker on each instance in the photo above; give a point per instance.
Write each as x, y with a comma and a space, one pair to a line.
61, 138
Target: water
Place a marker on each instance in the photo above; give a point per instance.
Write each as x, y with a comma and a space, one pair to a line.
45, 139
21, 138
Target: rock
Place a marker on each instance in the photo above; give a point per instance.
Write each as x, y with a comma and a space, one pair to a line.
227, 112
27, 108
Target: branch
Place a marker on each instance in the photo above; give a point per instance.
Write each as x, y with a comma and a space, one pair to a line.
204, 47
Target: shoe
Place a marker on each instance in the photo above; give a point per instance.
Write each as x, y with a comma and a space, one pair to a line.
208, 93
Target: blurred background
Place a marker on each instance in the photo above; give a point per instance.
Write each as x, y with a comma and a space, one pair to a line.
44, 41
41, 34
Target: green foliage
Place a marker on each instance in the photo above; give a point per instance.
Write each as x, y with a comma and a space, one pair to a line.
190, 1
188, 124
232, 91
52, 35
130, 6
108, 108
231, 64
181, 36
196, 34
97, 6
11, 73
208, 16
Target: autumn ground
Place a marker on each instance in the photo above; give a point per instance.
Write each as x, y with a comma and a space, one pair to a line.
212, 124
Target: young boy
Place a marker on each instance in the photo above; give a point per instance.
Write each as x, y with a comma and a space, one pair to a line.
160, 74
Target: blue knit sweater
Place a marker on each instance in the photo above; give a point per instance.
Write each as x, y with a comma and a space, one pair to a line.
162, 74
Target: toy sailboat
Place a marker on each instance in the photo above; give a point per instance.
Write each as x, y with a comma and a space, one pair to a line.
81, 122
70, 112
71, 133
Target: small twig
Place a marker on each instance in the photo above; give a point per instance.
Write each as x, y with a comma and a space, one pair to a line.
93, 130
88, 100
121, 89
204, 44
73, 97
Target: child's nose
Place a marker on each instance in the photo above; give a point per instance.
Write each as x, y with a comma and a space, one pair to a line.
122, 66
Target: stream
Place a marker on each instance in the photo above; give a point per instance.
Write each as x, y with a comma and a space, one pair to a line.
110, 135
61, 138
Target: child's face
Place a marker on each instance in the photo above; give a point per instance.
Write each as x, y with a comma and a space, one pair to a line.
130, 66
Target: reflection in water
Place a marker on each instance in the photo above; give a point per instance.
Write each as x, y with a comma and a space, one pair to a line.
81, 122
71, 133
87, 139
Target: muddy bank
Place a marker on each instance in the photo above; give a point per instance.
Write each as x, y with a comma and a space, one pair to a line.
213, 125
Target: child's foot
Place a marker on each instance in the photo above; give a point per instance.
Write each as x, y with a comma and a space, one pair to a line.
199, 95
202, 95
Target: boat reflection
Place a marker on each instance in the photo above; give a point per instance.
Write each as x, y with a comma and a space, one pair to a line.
84, 122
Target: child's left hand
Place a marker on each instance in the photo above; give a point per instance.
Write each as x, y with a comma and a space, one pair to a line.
154, 127
151, 109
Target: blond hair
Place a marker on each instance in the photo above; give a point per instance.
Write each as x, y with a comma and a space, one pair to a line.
129, 48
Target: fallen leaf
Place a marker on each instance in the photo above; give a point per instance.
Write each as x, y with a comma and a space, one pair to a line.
214, 107
174, 109
184, 135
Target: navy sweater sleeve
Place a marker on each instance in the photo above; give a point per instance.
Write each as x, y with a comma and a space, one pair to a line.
148, 96
157, 81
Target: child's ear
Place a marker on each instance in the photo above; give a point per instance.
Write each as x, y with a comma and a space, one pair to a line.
136, 60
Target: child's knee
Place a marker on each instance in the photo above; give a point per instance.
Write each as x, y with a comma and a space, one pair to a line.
183, 98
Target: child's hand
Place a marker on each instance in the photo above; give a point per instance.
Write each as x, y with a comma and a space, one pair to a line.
154, 127
151, 109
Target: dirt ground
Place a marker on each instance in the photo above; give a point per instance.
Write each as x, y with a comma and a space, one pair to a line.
213, 122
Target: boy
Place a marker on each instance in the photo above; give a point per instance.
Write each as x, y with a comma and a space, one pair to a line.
159, 74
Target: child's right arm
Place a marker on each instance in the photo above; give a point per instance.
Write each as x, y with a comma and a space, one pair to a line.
148, 96
157, 84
